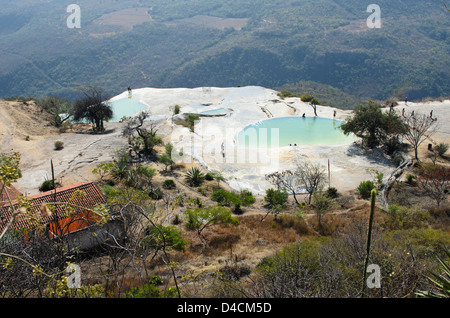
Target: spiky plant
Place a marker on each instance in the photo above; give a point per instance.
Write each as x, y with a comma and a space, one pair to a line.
440, 281
194, 177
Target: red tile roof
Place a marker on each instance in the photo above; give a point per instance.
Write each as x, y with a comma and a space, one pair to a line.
13, 193
78, 218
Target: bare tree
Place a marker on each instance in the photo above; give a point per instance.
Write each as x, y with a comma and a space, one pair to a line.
321, 205
285, 180
311, 175
435, 182
313, 104
419, 128
61, 109
146, 132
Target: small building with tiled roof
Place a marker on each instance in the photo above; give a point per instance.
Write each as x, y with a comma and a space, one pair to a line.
60, 211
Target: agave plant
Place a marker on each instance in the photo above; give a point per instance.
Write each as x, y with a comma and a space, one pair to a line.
440, 281
194, 177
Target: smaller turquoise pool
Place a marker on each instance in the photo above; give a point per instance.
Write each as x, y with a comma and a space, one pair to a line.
216, 112
126, 107
290, 131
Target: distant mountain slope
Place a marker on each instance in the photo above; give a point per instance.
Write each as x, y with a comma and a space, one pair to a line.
226, 43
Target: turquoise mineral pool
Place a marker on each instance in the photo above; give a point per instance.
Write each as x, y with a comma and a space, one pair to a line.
126, 107
216, 112
293, 131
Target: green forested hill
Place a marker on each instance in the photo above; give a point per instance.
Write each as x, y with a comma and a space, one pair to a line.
182, 43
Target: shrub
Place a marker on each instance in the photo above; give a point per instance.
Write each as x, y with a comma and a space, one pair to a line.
226, 198
398, 158
247, 197
365, 187
169, 184
191, 119
234, 272
332, 193
149, 290
176, 219
155, 194
47, 185
223, 197
109, 191
298, 224
306, 98
209, 176
275, 198
410, 178
168, 234
59, 145
285, 93
406, 217
442, 149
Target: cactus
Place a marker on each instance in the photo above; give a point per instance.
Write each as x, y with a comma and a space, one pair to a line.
373, 194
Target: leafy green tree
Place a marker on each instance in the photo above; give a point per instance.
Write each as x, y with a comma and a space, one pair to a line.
202, 218
166, 158
306, 98
103, 169
373, 125
218, 176
275, 198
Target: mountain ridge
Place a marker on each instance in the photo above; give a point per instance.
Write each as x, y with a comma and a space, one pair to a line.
281, 43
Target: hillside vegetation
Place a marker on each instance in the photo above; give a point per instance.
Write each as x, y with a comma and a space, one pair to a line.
226, 43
